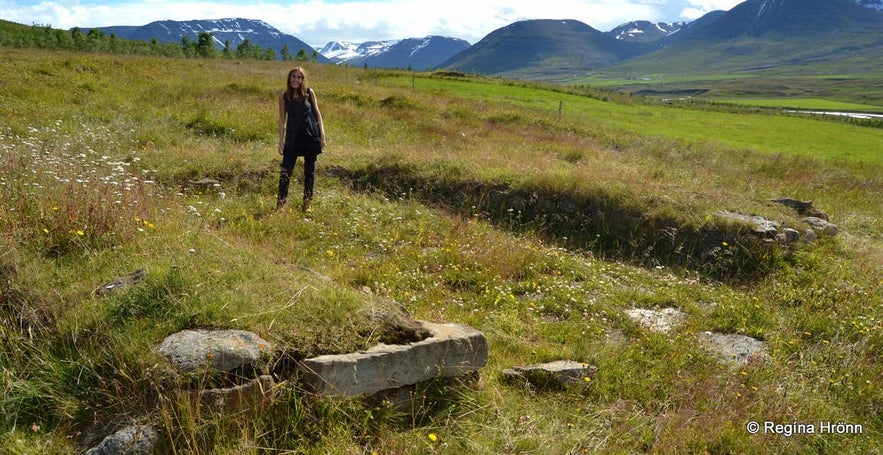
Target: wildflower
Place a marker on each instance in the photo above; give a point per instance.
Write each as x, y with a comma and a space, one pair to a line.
725, 244
45, 230
433, 437
587, 379
81, 233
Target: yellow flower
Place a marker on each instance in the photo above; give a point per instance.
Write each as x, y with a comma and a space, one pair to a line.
587, 379
433, 437
46, 230
81, 233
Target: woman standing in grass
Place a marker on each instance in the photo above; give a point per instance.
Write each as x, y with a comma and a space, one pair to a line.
297, 105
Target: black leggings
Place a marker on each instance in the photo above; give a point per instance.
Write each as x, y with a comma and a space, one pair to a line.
288, 161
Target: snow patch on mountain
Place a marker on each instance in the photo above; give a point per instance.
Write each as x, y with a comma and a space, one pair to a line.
426, 42
873, 4
645, 30
344, 51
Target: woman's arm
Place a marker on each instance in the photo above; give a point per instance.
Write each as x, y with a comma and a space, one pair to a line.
281, 123
315, 104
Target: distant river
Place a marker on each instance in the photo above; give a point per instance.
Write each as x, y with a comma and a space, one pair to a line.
859, 115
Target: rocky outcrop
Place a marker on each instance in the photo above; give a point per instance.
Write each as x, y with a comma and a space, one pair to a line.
121, 283
662, 321
772, 232
551, 376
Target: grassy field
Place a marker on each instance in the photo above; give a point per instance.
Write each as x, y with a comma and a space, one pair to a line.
99, 155
862, 92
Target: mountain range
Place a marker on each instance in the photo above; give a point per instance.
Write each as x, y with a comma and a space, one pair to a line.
754, 34
414, 53
232, 31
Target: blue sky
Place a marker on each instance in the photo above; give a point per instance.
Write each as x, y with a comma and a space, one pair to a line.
319, 21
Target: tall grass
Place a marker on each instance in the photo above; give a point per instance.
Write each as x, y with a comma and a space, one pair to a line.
170, 166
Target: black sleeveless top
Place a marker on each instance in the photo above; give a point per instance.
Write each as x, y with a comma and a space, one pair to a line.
296, 141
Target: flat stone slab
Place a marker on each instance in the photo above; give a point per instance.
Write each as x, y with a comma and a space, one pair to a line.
555, 374
735, 349
452, 350
661, 321
218, 350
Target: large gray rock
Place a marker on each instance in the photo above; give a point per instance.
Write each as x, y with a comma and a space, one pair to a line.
821, 226
734, 348
761, 226
218, 350
452, 350
133, 440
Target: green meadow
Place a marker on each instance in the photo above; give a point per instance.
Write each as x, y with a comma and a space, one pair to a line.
610, 112
115, 163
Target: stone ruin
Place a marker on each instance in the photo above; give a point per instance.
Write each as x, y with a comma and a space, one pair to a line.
242, 358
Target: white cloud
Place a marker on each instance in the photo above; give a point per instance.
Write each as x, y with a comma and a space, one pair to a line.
698, 8
318, 21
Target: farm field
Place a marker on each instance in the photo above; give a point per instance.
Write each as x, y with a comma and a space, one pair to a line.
539, 215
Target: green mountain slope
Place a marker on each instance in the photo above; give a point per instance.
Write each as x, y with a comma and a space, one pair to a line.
539, 48
822, 36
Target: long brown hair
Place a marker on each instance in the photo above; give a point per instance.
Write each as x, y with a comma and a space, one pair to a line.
301, 91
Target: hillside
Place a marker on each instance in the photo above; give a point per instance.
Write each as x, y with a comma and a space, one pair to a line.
789, 35
542, 48
453, 199
793, 37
